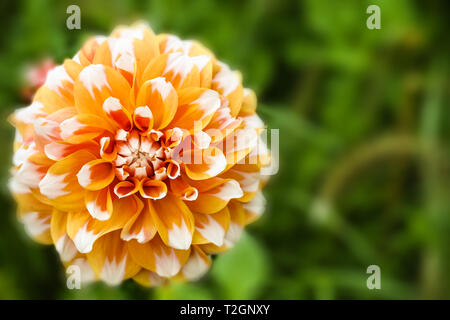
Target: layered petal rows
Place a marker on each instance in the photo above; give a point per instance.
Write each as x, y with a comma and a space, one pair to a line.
139, 158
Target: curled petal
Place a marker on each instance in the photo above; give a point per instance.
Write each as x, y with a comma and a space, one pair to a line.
96, 174
182, 189
108, 150
143, 119
127, 187
118, 113
152, 189
173, 169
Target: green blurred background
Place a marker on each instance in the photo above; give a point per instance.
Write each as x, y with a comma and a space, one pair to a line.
364, 123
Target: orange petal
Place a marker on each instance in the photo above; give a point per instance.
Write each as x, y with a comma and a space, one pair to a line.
148, 278
238, 144
157, 257
228, 84
222, 124
108, 150
248, 178
182, 189
196, 266
141, 226
234, 232
254, 208
196, 108
249, 103
110, 259
37, 225
95, 84
31, 170
117, 113
60, 184
58, 150
152, 189
83, 127
96, 174
99, 203
87, 53
174, 221
215, 199
63, 244
143, 119
173, 169
204, 163
160, 96
85, 230
211, 227
127, 187
178, 68
59, 81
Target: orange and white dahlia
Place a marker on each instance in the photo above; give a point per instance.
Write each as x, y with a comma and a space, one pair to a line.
139, 158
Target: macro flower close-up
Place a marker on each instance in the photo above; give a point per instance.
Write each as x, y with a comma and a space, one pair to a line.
139, 158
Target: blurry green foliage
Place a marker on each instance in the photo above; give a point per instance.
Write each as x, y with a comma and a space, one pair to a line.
364, 124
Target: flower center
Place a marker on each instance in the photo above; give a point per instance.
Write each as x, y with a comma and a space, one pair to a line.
146, 155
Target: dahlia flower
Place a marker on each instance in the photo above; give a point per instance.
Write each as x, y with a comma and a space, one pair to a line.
139, 158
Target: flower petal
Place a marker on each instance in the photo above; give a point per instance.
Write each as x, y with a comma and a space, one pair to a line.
148, 278
110, 259
99, 203
174, 221
211, 227
127, 187
228, 84
141, 226
63, 244
197, 264
96, 174
157, 257
160, 96
215, 199
60, 184
85, 230
205, 163
95, 84
196, 108
152, 189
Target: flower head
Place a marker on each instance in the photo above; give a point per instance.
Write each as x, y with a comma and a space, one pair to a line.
139, 158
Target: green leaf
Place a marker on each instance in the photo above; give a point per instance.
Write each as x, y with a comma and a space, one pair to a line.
183, 291
241, 272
